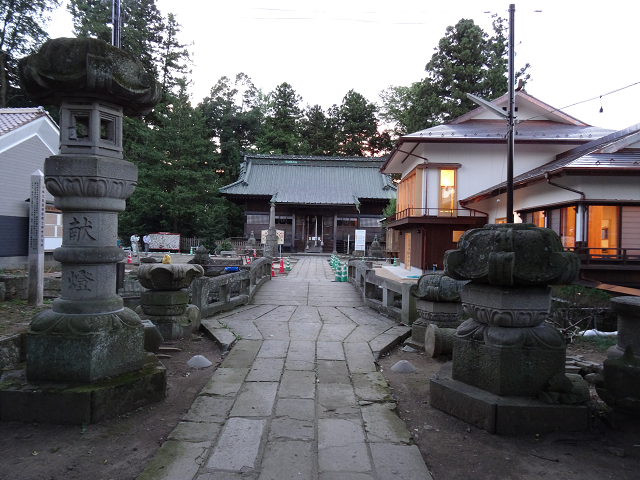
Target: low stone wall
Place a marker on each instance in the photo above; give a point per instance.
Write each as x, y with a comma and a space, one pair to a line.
17, 286
217, 294
12, 350
383, 294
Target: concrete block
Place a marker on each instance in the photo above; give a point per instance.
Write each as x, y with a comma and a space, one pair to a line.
238, 446
274, 349
291, 429
382, 424
371, 387
341, 446
329, 351
521, 416
196, 432
176, 459
242, 354
301, 355
333, 372
209, 409
287, 461
297, 384
255, 399
400, 462
266, 370
359, 357
299, 409
225, 382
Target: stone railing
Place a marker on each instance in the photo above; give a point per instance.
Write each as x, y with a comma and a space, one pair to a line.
382, 294
217, 294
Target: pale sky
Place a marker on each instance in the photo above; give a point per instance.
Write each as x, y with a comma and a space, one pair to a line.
578, 50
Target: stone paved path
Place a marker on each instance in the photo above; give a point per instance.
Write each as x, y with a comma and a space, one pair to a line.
298, 396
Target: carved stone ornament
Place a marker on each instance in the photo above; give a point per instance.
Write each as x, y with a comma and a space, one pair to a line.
72, 67
512, 254
542, 336
50, 322
437, 287
168, 276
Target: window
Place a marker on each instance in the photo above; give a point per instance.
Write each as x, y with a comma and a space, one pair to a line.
447, 198
538, 218
347, 222
568, 226
499, 221
257, 219
284, 220
603, 228
405, 195
369, 222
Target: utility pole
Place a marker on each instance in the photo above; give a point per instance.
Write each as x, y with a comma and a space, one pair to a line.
115, 21
511, 121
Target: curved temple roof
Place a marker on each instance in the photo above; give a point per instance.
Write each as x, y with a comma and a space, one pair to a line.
312, 180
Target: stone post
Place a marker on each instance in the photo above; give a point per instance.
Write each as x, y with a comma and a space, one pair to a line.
36, 239
88, 334
271, 247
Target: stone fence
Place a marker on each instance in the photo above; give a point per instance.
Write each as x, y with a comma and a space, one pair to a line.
388, 297
217, 294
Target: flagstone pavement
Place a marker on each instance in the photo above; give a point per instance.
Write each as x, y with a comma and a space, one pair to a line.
298, 396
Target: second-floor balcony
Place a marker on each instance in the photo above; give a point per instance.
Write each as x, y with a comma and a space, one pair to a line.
433, 215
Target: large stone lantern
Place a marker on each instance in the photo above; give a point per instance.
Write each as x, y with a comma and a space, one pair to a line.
88, 334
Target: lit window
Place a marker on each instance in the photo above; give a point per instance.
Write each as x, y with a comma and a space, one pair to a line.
447, 200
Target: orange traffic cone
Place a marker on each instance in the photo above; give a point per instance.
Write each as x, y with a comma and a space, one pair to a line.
254, 253
248, 260
281, 270
273, 270
129, 257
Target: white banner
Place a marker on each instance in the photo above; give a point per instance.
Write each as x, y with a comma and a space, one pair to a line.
361, 235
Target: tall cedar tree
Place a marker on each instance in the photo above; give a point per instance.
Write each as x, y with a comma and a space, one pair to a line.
281, 127
177, 183
319, 132
467, 60
358, 127
141, 30
234, 118
22, 24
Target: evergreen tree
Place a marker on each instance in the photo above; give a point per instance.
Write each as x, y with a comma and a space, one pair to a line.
466, 60
177, 183
22, 24
141, 30
358, 127
233, 116
281, 127
319, 132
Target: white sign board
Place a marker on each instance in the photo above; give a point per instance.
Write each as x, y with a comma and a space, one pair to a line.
279, 233
165, 241
361, 235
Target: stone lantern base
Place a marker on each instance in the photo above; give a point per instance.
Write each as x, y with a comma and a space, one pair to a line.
47, 402
83, 348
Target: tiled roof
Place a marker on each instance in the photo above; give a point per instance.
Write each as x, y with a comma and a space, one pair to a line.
312, 180
12, 118
584, 157
496, 130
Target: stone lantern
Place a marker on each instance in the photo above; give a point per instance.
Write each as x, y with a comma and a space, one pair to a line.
87, 335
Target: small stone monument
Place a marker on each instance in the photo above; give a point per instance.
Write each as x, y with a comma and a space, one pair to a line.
376, 250
166, 302
505, 355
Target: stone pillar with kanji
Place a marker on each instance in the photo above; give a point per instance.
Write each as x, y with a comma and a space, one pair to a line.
87, 335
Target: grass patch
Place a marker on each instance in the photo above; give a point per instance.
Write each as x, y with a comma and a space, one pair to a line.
601, 344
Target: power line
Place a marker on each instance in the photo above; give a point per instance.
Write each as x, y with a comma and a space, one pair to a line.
583, 101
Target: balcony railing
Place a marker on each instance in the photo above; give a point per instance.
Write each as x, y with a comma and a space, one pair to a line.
435, 212
603, 256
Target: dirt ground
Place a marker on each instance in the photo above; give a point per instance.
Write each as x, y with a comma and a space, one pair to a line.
454, 450
116, 449
119, 448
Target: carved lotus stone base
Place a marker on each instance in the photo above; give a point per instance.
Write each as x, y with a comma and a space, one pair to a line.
442, 314
507, 361
83, 348
506, 306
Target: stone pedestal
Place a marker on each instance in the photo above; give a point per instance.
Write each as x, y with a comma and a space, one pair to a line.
621, 386
170, 312
628, 311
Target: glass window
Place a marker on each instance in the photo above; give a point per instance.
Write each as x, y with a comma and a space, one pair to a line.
603, 229
538, 219
258, 219
447, 199
568, 227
